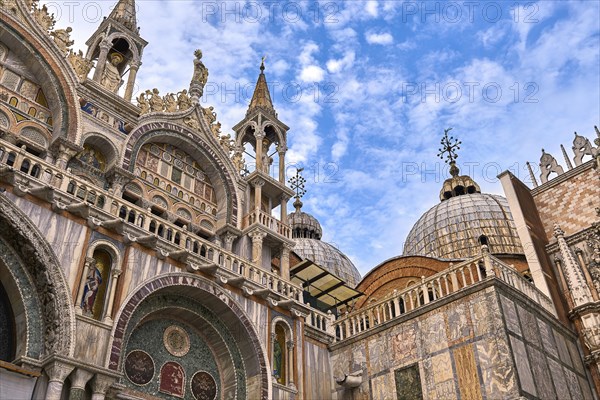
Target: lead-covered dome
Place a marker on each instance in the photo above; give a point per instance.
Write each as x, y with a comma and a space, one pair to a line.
306, 232
458, 226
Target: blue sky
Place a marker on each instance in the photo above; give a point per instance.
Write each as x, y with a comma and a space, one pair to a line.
368, 87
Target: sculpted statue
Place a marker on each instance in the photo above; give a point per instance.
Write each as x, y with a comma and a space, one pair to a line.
226, 142
155, 101
170, 103
210, 115
80, 64
43, 18
183, 100
111, 77
216, 129
238, 161
192, 122
61, 38
200, 74
143, 104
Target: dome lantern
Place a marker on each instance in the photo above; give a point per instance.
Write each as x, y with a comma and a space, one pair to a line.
457, 185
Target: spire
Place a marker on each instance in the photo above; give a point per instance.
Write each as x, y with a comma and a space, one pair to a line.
457, 185
261, 97
124, 12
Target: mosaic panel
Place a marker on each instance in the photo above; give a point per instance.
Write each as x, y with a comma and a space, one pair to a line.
496, 369
558, 378
433, 333
408, 383
523, 368
547, 338
529, 326
541, 374
510, 314
466, 369
484, 318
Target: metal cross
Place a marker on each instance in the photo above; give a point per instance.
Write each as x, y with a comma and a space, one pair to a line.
297, 183
449, 146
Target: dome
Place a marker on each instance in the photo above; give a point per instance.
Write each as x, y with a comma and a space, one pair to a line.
329, 258
304, 225
458, 226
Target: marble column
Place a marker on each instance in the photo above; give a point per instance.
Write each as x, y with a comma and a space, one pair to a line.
257, 242
284, 270
229, 238
290, 364
283, 203
57, 373
259, 136
258, 184
79, 380
133, 70
111, 297
281, 150
101, 62
100, 385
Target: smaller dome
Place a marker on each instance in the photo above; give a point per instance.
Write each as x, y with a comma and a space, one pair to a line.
328, 258
303, 224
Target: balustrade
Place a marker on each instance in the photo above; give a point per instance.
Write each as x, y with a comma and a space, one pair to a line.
268, 221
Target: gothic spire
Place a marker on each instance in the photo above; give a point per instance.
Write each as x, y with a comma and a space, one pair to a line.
261, 97
124, 13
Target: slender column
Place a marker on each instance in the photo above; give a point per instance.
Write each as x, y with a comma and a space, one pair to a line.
133, 70
284, 200
259, 135
78, 382
57, 373
104, 48
111, 297
281, 150
284, 271
273, 340
290, 363
257, 242
87, 265
100, 386
258, 184
588, 277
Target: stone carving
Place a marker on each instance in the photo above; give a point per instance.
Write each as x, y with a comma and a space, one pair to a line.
582, 147
154, 100
43, 18
62, 39
80, 64
139, 367
170, 103
183, 100
143, 104
238, 160
216, 130
200, 76
209, 115
548, 164
593, 242
192, 122
203, 386
176, 341
111, 77
172, 379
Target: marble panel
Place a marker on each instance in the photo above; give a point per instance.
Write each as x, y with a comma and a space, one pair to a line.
405, 344
496, 368
459, 324
433, 333
439, 376
92, 342
541, 374
547, 338
318, 377
585, 388
573, 384
466, 369
380, 356
382, 387
484, 315
559, 380
529, 326
575, 356
523, 367
563, 351
510, 315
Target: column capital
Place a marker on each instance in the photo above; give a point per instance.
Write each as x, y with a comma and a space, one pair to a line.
80, 378
105, 45
259, 135
90, 262
58, 371
290, 344
258, 182
257, 236
101, 384
116, 273
135, 64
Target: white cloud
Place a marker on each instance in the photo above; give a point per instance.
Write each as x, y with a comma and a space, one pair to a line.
312, 73
337, 65
379, 38
371, 7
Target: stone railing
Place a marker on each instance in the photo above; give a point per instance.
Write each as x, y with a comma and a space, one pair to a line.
322, 322
435, 287
268, 221
66, 192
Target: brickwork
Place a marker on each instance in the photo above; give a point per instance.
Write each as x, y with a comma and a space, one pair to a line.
570, 203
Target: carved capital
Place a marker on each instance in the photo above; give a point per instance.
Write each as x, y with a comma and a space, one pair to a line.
290, 344
258, 182
116, 273
58, 371
259, 135
101, 384
90, 262
558, 232
80, 378
257, 236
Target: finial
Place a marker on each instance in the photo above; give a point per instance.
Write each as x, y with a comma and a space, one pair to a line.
262, 63
531, 175
297, 184
448, 151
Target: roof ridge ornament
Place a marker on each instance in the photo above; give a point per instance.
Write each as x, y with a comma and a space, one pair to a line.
448, 151
456, 185
297, 184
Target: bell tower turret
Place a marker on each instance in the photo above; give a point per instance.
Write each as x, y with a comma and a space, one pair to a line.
116, 47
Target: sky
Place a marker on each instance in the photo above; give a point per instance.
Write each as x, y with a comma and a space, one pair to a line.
368, 87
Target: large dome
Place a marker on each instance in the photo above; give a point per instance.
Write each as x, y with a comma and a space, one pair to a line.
328, 258
457, 227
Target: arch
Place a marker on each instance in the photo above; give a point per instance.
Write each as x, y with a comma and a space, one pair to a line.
209, 295
106, 147
56, 77
281, 334
57, 317
218, 170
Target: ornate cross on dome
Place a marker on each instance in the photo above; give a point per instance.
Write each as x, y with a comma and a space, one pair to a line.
297, 183
449, 146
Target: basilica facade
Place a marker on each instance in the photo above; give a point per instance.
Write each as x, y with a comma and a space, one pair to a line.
141, 258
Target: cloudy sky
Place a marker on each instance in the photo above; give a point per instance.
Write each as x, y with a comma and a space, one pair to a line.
368, 87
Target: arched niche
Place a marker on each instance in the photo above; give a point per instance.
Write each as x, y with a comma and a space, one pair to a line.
51, 74
217, 169
197, 306
36, 286
282, 363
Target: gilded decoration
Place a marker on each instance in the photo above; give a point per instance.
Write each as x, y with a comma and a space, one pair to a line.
176, 341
